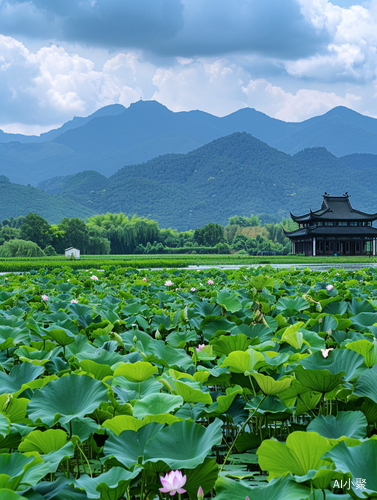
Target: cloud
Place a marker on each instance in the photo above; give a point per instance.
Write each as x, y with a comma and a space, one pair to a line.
52, 85
186, 28
287, 106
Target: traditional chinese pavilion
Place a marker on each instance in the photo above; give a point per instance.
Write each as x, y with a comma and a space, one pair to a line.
336, 228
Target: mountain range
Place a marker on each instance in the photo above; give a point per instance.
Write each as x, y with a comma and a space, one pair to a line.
115, 136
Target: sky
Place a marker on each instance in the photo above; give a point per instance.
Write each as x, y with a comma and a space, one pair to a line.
290, 59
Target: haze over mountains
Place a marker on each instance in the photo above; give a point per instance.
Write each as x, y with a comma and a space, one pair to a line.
116, 160
115, 136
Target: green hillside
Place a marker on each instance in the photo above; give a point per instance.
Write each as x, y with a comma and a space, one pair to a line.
16, 200
237, 174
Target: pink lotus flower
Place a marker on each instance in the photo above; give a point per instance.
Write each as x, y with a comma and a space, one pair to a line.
200, 493
74, 301
94, 278
172, 483
200, 347
192, 289
325, 352
168, 283
44, 297
144, 279
210, 282
329, 287
320, 320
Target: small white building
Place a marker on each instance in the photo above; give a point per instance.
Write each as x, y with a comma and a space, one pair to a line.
72, 252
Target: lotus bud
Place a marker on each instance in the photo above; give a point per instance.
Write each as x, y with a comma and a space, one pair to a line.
134, 339
158, 335
200, 493
320, 320
330, 331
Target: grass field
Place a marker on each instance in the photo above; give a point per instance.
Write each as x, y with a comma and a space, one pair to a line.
167, 261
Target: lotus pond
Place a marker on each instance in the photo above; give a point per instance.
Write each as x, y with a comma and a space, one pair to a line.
257, 383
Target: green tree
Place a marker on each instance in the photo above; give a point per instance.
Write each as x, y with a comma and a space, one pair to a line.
35, 228
75, 235
209, 235
20, 248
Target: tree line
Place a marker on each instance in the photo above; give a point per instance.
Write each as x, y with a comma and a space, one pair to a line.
104, 234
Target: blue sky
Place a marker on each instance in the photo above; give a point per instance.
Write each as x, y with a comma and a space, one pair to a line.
291, 59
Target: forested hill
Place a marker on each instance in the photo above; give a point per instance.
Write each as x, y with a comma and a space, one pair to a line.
115, 136
237, 174
16, 200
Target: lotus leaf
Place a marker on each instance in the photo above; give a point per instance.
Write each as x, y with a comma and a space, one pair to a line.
243, 362
318, 380
128, 446
183, 444
136, 372
66, 398
366, 384
271, 387
338, 360
191, 392
156, 404
351, 424
360, 461
302, 452
367, 349
277, 489
228, 300
122, 423
111, 485
19, 375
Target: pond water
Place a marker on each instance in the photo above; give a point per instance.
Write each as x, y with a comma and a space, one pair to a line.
313, 267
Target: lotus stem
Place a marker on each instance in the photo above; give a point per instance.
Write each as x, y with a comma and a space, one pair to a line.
241, 430
87, 461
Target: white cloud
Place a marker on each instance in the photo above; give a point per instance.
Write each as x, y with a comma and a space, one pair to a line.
287, 106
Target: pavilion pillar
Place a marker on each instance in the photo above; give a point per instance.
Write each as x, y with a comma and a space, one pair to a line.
374, 246
293, 248
314, 247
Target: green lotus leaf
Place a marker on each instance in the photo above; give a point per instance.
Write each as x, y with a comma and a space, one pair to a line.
203, 475
369, 408
359, 461
156, 404
352, 424
123, 423
111, 485
259, 282
33, 356
360, 306
14, 409
100, 371
367, 349
293, 336
80, 310
241, 362
61, 335
13, 467
66, 398
277, 489
12, 335
44, 442
290, 306
318, 380
228, 300
191, 392
163, 418
136, 372
338, 360
19, 375
366, 384
129, 445
127, 391
363, 321
336, 307
213, 324
4, 426
270, 404
183, 444
6, 494
271, 387
302, 452
224, 402
229, 343
169, 357
81, 428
